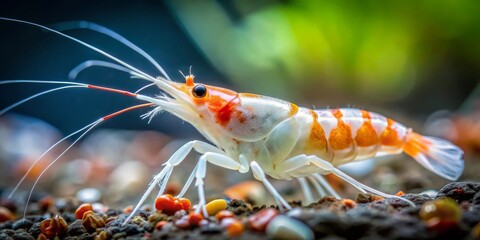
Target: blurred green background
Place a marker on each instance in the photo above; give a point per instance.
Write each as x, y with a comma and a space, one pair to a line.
338, 53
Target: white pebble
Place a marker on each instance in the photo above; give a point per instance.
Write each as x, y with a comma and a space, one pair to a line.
283, 227
431, 193
89, 195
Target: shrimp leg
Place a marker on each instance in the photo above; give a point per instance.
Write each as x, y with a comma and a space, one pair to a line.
174, 160
259, 174
307, 191
302, 165
219, 159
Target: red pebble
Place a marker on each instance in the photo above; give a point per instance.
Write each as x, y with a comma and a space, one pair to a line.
169, 205
186, 204
258, 222
165, 203
195, 218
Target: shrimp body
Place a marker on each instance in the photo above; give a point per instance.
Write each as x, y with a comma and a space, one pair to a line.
266, 135
271, 132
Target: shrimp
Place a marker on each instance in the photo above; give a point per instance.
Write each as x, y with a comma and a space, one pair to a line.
268, 136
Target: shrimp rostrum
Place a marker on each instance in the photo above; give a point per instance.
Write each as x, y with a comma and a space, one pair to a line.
275, 138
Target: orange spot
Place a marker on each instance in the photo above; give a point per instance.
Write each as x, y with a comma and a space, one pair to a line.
366, 134
389, 136
365, 114
341, 136
293, 109
337, 113
316, 140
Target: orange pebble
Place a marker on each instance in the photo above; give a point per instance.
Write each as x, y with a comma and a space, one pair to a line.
399, 193
165, 203
235, 228
82, 209
349, 203
128, 209
224, 214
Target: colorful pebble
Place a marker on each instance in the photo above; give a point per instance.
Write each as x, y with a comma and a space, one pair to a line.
82, 209
216, 206
5, 214
169, 204
53, 227
283, 227
258, 221
233, 227
441, 214
224, 214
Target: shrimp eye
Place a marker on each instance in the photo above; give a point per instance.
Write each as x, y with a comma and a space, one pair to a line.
199, 91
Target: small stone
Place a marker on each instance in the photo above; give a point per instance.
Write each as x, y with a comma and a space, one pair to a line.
224, 214
283, 227
53, 227
183, 222
258, 222
35, 229
76, 228
348, 203
233, 226
22, 235
5, 214
22, 223
169, 205
209, 227
102, 236
368, 197
82, 209
216, 206
89, 195
441, 214
195, 218
460, 191
91, 221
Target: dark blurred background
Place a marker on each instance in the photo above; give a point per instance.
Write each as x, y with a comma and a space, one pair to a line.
404, 59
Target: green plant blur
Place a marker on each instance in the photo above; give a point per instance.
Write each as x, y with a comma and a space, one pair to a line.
308, 49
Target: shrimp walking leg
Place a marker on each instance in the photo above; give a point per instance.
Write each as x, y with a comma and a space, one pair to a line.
320, 179
259, 174
174, 160
320, 190
201, 170
305, 164
307, 191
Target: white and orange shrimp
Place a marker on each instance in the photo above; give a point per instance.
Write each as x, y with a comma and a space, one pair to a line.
272, 137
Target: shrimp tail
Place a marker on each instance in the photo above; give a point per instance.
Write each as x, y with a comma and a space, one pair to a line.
437, 155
